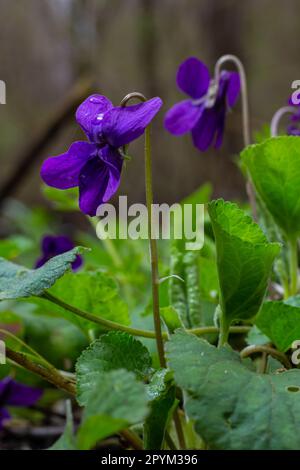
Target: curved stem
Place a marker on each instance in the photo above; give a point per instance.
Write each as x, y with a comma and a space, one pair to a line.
110, 325
252, 349
152, 241
245, 113
277, 118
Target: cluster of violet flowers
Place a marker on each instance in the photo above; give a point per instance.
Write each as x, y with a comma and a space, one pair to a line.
95, 165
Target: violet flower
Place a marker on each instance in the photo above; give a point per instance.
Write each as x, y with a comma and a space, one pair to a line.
202, 114
56, 245
293, 127
13, 393
95, 166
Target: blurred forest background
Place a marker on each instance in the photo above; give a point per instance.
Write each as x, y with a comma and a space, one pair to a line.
48, 47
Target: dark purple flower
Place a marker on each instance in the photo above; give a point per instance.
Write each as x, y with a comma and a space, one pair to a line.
199, 114
56, 245
95, 166
15, 394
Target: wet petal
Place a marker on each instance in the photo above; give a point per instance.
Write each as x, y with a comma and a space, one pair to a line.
204, 131
99, 180
122, 125
193, 77
17, 394
63, 171
182, 117
91, 110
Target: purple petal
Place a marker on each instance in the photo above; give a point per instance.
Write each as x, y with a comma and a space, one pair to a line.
99, 180
122, 125
16, 394
4, 416
62, 172
204, 131
182, 117
234, 87
193, 77
91, 110
220, 127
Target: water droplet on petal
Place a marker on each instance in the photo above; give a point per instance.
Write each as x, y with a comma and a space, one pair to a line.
95, 99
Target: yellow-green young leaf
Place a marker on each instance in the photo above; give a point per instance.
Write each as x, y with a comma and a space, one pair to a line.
17, 281
233, 407
280, 321
244, 260
274, 166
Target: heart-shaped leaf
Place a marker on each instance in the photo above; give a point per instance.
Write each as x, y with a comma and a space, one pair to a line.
274, 166
244, 260
233, 407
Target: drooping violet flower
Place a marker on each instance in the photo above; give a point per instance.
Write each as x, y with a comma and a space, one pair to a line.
203, 114
95, 166
53, 245
13, 393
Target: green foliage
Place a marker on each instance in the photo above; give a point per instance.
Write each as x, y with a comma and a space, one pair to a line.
161, 394
113, 351
19, 282
244, 260
274, 166
67, 440
280, 321
233, 407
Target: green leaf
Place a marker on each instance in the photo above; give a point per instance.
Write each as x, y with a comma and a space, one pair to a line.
280, 322
94, 292
161, 393
67, 440
116, 400
66, 200
244, 260
233, 407
113, 351
274, 166
17, 281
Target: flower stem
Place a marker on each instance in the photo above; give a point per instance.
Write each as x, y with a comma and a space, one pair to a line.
253, 348
153, 249
152, 241
245, 112
277, 117
293, 247
224, 330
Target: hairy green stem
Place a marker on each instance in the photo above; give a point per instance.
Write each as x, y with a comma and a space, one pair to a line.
153, 249
110, 325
